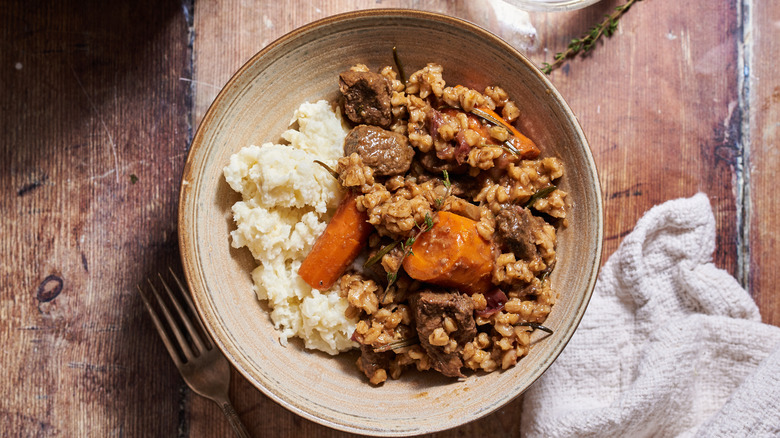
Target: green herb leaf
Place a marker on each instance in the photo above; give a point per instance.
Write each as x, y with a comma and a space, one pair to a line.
536, 326
398, 66
482, 114
133, 178
391, 277
395, 345
381, 253
428, 222
406, 246
542, 193
509, 147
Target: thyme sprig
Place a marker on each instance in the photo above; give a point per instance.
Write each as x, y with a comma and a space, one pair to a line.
406, 247
587, 42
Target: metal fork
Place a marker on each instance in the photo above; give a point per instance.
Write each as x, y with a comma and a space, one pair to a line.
203, 367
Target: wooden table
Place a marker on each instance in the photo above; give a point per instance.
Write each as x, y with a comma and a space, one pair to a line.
98, 104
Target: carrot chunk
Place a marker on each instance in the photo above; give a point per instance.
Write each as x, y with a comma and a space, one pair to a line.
524, 145
338, 246
452, 254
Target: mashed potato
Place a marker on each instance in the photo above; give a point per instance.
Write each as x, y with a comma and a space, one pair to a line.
287, 200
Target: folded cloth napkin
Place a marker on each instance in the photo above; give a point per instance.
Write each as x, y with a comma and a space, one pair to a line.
669, 346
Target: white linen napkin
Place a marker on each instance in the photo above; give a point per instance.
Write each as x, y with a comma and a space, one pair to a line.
670, 345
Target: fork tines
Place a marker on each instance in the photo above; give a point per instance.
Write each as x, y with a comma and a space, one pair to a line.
194, 336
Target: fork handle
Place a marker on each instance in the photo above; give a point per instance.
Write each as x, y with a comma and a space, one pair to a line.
232, 416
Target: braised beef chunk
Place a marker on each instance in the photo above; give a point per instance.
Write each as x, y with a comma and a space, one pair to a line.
386, 152
436, 165
366, 98
430, 309
465, 187
371, 361
513, 227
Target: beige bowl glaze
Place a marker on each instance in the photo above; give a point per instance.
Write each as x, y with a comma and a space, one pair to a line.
256, 106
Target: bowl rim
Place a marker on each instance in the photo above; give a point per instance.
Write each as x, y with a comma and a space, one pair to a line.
197, 282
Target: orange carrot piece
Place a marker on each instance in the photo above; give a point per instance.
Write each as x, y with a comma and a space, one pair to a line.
524, 145
452, 254
474, 123
338, 246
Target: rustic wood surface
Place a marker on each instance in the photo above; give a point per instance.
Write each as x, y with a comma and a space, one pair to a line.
98, 103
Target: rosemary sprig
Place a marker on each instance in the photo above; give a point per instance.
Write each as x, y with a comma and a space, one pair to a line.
587, 42
541, 193
381, 253
395, 345
536, 326
507, 145
487, 116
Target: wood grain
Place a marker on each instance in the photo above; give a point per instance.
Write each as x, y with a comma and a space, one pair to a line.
94, 135
762, 105
643, 107
652, 134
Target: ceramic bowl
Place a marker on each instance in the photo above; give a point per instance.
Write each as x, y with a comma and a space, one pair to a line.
256, 106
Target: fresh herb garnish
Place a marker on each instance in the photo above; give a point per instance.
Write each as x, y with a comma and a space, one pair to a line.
428, 222
391, 277
133, 178
507, 145
607, 27
406, 246
381, 253
536, 326
398, 66
440, 201
395, 345
542, 193
488, 117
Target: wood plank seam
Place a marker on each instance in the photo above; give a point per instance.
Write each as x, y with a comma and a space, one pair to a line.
188, 9
742, 171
